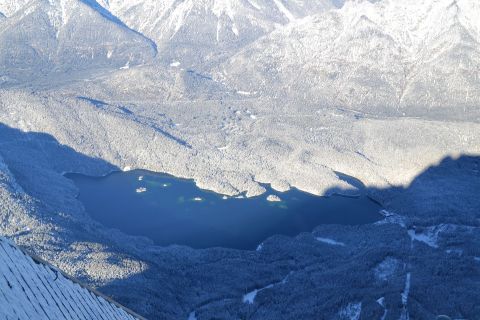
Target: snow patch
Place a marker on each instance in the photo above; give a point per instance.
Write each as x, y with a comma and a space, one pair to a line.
429, 236
385, 269
235, 30
351, 312
250, 297
457, 252
405, 293
381, 302
126, 66
219, 28
406, 290
330, 241
254, 4
426, 238
175, 64
141, 190
284, 10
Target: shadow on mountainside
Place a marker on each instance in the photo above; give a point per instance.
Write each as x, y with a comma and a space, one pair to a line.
421, 261
47, 219
38, 160
447, 192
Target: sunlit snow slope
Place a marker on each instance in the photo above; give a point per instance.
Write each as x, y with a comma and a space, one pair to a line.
195, 31
238, 94
383, 57
61, 38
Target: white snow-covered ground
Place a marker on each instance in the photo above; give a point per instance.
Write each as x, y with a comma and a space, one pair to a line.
386, 269
233, 94
429, 236
351, 312
405, 295
381, 302
330, 241
250, 296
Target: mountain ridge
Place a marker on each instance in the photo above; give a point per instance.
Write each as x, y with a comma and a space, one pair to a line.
64, 37
241, 94
212, 27
364, 49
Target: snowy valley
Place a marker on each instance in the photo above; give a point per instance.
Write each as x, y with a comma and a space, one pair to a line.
237, 95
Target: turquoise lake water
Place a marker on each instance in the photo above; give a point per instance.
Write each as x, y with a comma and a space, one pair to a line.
169, 210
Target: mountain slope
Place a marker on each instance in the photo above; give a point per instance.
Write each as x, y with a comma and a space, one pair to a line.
363, 57
9, 7
64, 37
197, 31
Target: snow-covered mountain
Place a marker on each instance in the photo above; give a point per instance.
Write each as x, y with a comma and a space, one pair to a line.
381, 56
9, 7
64, 37
237, 95
195, 32
410, 57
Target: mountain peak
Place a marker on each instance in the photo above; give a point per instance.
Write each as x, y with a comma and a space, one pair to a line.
9, 7
373, 56
214, 28
65, 37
